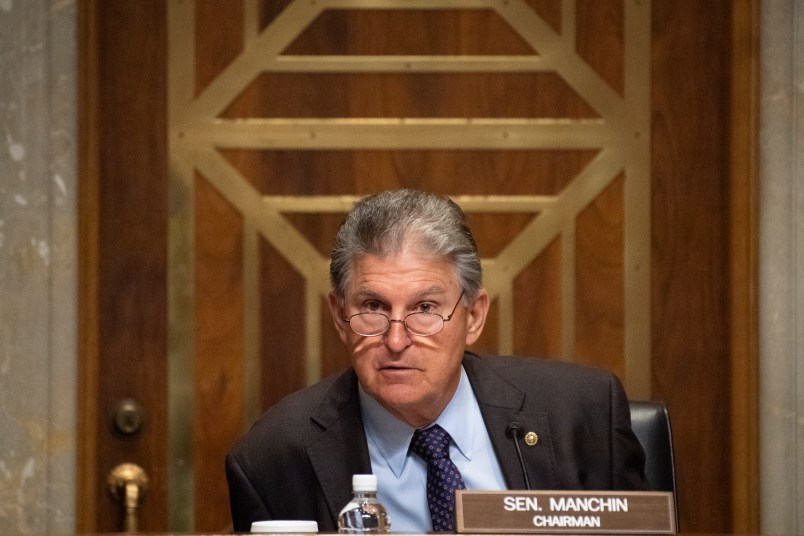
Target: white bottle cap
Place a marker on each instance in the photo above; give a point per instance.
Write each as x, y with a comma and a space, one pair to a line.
276, 526
364, 482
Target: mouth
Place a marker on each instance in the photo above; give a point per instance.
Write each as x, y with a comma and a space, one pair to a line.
396, 369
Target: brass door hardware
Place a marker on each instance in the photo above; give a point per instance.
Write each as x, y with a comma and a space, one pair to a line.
128, 483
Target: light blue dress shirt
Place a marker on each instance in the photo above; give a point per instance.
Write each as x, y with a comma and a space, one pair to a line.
402, 475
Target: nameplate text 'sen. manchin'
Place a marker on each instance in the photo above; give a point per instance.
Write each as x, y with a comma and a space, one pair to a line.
576, 512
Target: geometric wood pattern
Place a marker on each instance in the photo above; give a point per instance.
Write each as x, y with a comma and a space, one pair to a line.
540, 132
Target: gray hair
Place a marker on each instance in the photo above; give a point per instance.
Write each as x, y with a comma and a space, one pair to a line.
385, 223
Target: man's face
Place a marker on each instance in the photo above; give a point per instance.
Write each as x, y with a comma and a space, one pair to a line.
413, 377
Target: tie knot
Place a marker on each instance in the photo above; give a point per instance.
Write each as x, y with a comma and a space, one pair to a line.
431, 443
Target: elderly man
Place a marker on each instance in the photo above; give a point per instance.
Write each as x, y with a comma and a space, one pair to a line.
407, 299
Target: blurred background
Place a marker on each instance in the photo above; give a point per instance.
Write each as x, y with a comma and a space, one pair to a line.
174, 172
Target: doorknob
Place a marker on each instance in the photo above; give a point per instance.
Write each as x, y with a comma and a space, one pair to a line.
128, 483
128, 416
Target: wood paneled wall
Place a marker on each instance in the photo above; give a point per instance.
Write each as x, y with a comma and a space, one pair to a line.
123, 211
704, 254
701, 208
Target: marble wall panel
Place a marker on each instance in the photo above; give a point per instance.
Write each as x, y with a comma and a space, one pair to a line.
37, 265
782, 268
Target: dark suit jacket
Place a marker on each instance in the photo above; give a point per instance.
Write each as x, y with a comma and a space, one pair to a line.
297, 461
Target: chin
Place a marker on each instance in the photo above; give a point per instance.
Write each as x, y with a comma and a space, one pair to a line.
398, 397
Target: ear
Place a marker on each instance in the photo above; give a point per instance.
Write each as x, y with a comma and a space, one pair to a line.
476, 317
336, 308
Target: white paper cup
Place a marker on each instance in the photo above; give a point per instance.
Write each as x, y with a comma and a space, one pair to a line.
276, 526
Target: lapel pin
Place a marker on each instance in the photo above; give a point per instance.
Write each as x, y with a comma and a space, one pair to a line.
531, 439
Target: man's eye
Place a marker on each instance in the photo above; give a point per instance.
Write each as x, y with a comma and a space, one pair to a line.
373, 307
425, 308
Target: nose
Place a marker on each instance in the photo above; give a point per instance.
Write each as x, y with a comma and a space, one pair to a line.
397, 337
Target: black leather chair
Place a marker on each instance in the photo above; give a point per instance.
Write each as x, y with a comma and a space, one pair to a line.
651, 424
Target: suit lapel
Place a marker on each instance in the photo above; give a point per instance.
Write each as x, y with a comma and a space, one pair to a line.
501, 403
341, 449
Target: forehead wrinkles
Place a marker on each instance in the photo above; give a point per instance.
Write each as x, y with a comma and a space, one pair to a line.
368, 292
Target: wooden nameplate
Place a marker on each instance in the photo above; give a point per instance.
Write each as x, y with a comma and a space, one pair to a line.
577, 512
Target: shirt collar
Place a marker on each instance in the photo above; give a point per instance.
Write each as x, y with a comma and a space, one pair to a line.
392, 437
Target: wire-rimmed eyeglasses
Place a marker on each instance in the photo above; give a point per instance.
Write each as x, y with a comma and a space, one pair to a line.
421, 324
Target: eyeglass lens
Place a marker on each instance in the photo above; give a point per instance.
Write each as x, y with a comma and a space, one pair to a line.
369, 324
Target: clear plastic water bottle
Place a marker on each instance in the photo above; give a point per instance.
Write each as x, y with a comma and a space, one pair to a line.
364, 514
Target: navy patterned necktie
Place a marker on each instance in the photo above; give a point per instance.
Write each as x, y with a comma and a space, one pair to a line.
443, 478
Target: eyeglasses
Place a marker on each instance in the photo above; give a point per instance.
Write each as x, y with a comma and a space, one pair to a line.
421, 324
